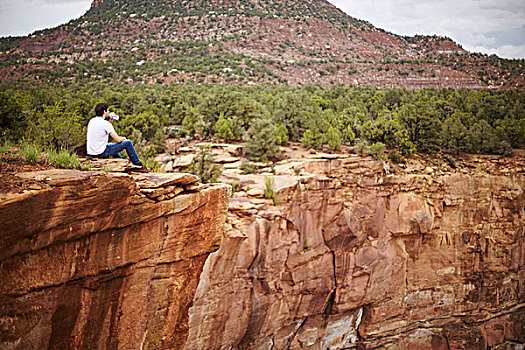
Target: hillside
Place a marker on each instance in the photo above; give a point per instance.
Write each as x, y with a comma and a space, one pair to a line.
245, 42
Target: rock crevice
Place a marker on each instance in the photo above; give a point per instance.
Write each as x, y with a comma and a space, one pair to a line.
363, 258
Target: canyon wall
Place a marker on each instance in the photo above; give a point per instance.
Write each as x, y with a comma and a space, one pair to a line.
97, 261
356, 254
350, 253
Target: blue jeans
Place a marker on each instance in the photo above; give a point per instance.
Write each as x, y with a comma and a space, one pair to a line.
114, 149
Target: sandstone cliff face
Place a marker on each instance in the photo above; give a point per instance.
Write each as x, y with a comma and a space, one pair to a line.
355, 256
105, 261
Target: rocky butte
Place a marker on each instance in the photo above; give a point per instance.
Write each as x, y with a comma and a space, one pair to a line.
293, 42
351, 253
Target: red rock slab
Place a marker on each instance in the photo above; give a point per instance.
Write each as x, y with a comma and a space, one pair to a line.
156, 180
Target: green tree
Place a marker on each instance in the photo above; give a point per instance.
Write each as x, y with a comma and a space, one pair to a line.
348, 134
511, 130
481, 138
422, 127
333, 138
378, 151
454, 134
146, 122
262, 141
204, 166
312, 138
223, 129
281, 134
52, 127
12, 120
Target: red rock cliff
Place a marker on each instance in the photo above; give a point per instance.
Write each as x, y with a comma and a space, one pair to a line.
105, 262
354, 257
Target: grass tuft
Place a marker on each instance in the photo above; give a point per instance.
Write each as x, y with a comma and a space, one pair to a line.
269, 192
62, 159
5, 147
31, 153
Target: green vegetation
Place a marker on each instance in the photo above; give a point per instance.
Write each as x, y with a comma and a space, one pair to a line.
153, 165
269, 192
262, 141
248, 167
235, 187
267, 116
62, 159
31, 153
5, 147
203, 166
378, 150
395, 157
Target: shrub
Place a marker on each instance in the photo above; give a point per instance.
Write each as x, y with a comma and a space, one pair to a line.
333, 137
12, 120
54, 127
248, 167
204, 167
146, 122
348, 135
361, 148
152, 164
395, 157
158, 142
5, 147
378, 150
235, 187
223, 129
312, 139
406, 147
505, 149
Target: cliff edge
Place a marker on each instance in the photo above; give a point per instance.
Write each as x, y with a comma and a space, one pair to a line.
108, 261
325, 251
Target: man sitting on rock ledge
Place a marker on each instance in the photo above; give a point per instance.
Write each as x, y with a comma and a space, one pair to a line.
98, 131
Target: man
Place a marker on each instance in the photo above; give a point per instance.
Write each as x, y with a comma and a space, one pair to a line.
98, 131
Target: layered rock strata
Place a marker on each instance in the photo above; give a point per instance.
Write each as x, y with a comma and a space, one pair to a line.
98, 261
351, 254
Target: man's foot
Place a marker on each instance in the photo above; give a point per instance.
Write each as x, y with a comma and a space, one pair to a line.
142, 168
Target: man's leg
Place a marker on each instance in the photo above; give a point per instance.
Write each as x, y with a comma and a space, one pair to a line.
112, 149
117, 155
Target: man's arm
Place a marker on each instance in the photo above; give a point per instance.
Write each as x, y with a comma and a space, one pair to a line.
117, 138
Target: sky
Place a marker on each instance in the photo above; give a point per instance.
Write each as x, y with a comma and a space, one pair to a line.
487, 26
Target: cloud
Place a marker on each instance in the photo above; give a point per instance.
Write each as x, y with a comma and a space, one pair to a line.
510, 36
480, 24
505, 51
22, 17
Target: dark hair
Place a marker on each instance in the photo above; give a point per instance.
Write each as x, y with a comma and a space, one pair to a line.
100, 108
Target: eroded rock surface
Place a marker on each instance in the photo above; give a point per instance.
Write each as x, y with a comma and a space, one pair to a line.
105, 261
353, 255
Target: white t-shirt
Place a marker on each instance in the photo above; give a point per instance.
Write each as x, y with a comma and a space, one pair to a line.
98, 131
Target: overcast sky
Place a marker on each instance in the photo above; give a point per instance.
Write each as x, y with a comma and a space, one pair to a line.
488, 26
